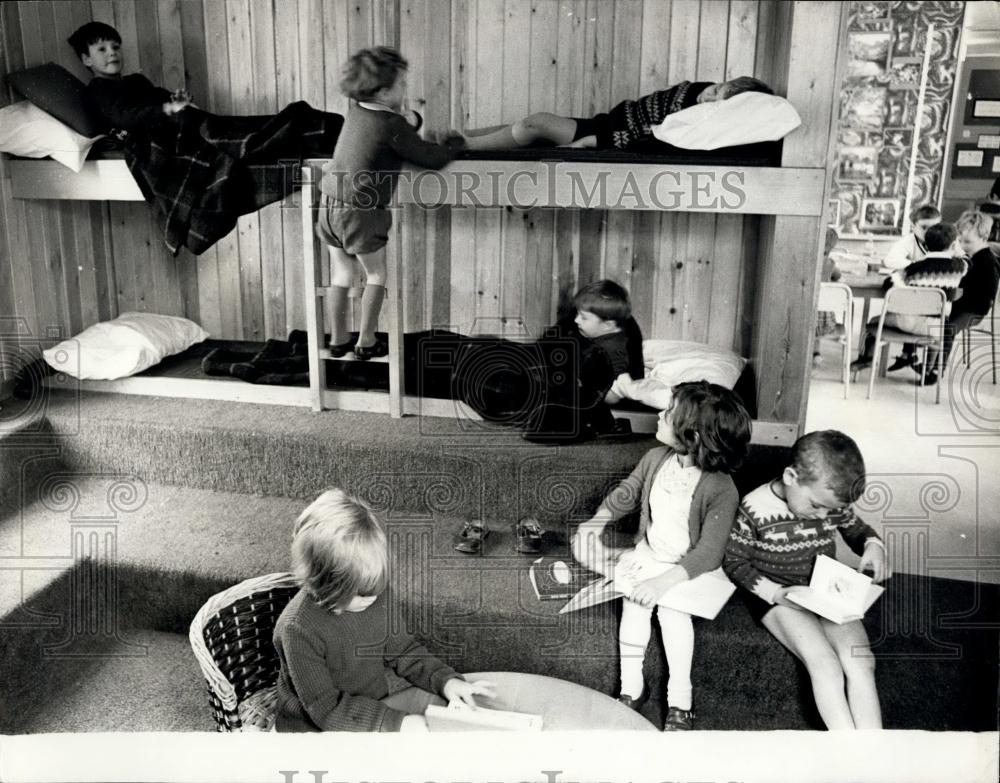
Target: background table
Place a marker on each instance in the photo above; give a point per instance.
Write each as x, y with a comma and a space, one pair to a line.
564, 706
865, 287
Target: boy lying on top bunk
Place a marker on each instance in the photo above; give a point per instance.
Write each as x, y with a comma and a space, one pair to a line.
202, 170
629, 125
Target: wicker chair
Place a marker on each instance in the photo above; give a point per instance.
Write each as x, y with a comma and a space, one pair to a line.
231, 638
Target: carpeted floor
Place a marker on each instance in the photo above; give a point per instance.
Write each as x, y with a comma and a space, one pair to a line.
215, 488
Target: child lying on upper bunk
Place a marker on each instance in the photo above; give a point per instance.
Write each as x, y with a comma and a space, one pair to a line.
627, 125
202, 169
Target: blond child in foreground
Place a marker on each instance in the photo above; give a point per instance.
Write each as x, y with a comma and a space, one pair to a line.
334, 640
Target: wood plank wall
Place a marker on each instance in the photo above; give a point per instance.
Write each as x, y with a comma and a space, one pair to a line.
473, 63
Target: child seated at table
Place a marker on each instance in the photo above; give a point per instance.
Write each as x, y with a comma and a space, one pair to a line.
687, 502
628, 124
913, 246
336, 644
939, 268
826, 322
978, 287
781, 528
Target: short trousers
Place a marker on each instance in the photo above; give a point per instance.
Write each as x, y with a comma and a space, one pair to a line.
756, 605
599, 125
353, 229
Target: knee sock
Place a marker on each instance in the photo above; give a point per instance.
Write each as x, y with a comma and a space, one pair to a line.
677, 632
337, 295
633, 637
371, 306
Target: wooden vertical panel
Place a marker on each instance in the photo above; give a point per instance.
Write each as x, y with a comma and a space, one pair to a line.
127, 26
68, 17
771, 58
697, 297
102, 11
52, 48
209, 305
147, 38
274, 257
286, 47
488, 255
654, 60
145, 237
742, 40
488, 109
463, 62
104, 260
265, 89
186, 264
540, 284
195, 56
599, 37
567, 258
31, 32
439, 257
311, 53
668, 301
725, 272
713, 32
337, 52
69, 291
20, 259
251, 282
645, 258
463, 283
240, 40
123, 234
570, 62
412, 39
168, 298
217, 56
593, 228
682, 60
748, 284
544, 53
359, 25
515, 241
173, 75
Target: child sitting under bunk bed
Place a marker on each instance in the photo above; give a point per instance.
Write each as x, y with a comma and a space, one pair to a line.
628, 125
203, 170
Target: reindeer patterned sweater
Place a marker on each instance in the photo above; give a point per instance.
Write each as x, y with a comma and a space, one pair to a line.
770, 548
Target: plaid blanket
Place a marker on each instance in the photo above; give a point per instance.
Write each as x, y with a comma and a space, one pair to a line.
203, 170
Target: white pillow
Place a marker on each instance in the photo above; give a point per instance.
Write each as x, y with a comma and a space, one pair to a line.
30, 132
676, 361
124, 346
747, 118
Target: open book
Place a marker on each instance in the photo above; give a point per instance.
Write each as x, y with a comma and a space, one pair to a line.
458, 718
703, 596
836, 591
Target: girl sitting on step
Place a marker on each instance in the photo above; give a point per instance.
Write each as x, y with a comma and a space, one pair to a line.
338, 653
687, 503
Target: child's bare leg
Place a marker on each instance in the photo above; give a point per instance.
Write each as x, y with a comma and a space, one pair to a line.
801, 633
850, 642
633, 638
374, 294
341, 275
534, 127
677, 632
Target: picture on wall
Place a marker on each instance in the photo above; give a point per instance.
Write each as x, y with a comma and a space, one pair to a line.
864, 106
879, 214
857, 164
869, 53
905, 74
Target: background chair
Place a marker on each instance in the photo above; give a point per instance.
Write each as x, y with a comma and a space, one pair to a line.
231, 638
914, 301
837, 299
990, 319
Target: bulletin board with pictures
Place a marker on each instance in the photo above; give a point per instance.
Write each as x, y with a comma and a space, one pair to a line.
878, 112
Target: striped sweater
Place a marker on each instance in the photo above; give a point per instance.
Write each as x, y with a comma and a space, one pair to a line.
770, 548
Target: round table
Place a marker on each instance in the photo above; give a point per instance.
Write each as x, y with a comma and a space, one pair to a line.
564, 706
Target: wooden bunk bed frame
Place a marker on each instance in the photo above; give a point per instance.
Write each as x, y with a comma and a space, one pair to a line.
791, 200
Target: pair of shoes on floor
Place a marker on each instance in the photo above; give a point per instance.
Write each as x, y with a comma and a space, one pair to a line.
678, 720
471, 538
528, 536
903, 360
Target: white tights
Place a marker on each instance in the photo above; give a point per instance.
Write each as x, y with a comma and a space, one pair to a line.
677, 633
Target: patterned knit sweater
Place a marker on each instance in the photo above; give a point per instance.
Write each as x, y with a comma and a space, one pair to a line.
632, 121
769, 547
333, 667
935, 270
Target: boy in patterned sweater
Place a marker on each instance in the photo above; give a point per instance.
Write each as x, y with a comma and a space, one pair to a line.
781, 528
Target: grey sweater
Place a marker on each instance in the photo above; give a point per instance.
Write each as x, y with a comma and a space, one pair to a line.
333, 667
